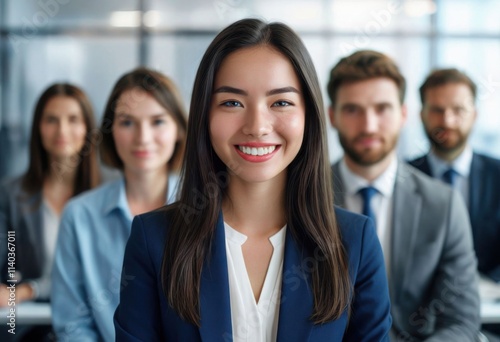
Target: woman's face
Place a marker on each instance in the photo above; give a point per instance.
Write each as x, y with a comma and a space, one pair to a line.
62, 127
257, 115
144, 132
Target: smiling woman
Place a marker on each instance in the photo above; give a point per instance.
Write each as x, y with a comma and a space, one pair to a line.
143, 134
63, 164
254, 249
257, 114
62, 127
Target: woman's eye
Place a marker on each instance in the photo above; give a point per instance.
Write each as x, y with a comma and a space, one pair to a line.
50, 119
231, 104
158, 122
125, 123
281, 104
74, 119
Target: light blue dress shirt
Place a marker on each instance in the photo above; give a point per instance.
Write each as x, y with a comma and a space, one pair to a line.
86, 277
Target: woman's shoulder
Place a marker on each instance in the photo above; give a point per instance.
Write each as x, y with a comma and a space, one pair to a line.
356, 230
11, 185
9, 181
11, 191
161, 217
152, 228
348, 217
349, 223
156, 223
95, 198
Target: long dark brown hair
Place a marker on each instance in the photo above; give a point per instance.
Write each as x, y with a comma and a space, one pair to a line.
164, 91
309, 195
87, 174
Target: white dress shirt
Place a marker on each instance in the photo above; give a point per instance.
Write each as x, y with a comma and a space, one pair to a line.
381, 202
461, 165
251, 321
50, 219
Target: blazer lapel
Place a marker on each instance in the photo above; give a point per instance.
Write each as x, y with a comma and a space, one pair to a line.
31, 214
338, 186
407, 205
215, 307
296, 304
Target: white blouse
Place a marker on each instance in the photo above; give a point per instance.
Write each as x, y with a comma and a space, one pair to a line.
50, 230
251, 321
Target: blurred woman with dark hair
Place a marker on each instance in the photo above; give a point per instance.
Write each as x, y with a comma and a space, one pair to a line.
62, 164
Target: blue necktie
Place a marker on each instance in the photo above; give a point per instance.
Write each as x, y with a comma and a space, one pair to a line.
367, 194
450, 176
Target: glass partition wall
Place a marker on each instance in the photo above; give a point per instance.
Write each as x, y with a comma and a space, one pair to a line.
92, 42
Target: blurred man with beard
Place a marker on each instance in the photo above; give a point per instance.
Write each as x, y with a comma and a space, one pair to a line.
422, 224
448, 114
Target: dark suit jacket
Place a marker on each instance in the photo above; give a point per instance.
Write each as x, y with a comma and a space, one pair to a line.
144, 314
432, 274
22, 213
484, 210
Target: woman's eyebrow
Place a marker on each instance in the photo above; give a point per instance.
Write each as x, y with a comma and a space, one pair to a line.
227, 89
282, 90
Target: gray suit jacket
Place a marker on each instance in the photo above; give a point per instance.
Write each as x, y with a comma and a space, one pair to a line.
22, 213
433, 281
484, 213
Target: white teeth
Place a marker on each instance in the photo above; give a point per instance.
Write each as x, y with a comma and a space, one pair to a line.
257, 151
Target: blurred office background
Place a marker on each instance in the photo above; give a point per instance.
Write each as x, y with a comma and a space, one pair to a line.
92, 42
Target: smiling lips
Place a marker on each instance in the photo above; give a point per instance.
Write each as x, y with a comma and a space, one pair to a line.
61, 142
256, 153
141, 154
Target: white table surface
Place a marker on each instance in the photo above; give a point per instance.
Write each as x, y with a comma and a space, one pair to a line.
490, 300
28, 313
40, 313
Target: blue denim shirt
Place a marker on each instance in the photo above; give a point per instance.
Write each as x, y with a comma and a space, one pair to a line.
86, 277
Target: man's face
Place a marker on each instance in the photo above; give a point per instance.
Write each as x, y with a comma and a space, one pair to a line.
368, 117
448, 115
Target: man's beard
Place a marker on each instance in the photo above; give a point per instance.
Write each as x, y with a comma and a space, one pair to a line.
368, 156
443, 144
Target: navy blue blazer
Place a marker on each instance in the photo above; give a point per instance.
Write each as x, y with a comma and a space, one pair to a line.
484, 209
144, 314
